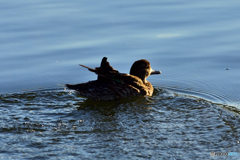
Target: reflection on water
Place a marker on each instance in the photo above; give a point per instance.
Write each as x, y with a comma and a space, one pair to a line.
167, 35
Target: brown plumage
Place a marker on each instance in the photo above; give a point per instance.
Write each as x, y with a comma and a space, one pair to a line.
112, 85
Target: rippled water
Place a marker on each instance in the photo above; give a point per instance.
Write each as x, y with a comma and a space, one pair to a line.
56, 124
195, 107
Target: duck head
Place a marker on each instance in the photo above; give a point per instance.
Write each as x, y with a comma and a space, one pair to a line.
142, 69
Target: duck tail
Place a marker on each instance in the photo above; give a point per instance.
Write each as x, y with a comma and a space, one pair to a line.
90, 69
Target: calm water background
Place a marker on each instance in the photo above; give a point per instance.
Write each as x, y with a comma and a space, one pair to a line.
194, 110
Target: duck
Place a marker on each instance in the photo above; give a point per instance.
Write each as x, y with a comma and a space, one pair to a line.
112, 85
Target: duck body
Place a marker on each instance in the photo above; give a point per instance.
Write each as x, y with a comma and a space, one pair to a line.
112, 85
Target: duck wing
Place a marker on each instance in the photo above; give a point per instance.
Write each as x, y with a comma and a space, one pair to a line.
104, 71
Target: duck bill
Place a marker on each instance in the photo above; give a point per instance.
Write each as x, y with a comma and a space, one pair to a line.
155, 72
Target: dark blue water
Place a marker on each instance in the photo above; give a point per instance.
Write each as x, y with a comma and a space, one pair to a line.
195, 107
